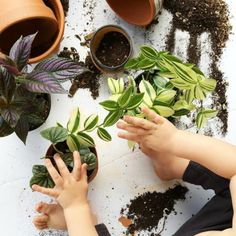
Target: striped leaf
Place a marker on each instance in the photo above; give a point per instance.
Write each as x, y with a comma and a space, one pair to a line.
164, 111
121, 85
90, 159
199, 93
85, 140
74, 123
112, 118
132, 64
124, 99
208, 84
183, 105
41, 82
149, 52
135, 101
21, 50
166, 96
61, 68
103, 134
91, 123
204, 115
180, 84
109, 105
55, 134
113, 85
189, 95
72, 142
149, 92
11, 116
146, 64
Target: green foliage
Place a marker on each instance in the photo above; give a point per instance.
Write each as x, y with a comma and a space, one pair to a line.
21, 107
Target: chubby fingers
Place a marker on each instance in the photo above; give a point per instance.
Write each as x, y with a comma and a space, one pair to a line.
47, 191
53, 172
152, 116
77, 165
61, 166
140, 123
132, 129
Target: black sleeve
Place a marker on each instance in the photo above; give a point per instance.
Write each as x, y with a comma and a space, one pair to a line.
102, 230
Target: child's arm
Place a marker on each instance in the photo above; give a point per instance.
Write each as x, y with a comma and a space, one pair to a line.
71, 193
161, 135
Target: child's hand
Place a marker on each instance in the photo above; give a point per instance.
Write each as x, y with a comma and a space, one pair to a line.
70, 188
156, 133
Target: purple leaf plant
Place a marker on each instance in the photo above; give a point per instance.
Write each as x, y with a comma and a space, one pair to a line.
19, 88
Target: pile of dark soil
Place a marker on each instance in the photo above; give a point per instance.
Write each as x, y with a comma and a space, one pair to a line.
146, 210
65, 4
113, 50
196, 17
88, 80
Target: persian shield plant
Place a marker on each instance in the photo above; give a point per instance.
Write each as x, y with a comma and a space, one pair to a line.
22, 105
65, 140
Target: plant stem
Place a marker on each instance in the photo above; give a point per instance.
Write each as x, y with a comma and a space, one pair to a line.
57, 150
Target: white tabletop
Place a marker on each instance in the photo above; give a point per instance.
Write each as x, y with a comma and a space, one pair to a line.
120, 169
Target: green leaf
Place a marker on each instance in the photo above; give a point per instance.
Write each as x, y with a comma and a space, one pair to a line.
164, 111
41, 177
199, 93
121, 85
124, 99
109, 105
180, 105
189, 95
22, 129
132, 64
55, 134
91, 123
149, 92
90, 159
208, 84
74, 123
166, 96
135, 101
160, 82
180, 84
131, 81
149, 52
85, 139
73, 143
146, 64
112, 118
113, 85
103, 134
68, 159
204, 115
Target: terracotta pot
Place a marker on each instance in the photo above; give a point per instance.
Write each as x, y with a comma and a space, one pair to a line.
95, 43
91, 174
24, 17
138, 12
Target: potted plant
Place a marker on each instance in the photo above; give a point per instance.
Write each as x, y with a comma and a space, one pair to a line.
140, 13
110, 48
66, 140
24, 103
166, 85
25, 17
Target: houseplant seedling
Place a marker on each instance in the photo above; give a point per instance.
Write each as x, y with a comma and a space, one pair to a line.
23, 104
66, 140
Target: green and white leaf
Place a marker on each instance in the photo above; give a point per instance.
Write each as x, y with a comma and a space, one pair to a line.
103, 134
124, 99
109, 105
149, 92
208, 85
73, 143
149, 52
121, 85
112, 118
113, 85
204, 115
164, 111
91, 123
73, 125
85, 139
135, 101
90, 159
166, 96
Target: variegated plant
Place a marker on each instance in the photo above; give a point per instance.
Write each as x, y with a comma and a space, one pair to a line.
77, 138
174, 88
19, 89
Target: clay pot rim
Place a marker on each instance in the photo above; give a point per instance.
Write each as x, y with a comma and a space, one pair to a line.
94, 150
97, 62
60, 33
144, 23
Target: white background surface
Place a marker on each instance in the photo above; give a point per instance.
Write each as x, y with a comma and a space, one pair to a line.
119, 167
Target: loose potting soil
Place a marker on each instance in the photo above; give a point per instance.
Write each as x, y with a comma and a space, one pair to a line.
196, 17
146, 210
88, 80
113, 50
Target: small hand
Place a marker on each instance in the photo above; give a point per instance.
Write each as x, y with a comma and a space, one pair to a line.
70, 188
156, 133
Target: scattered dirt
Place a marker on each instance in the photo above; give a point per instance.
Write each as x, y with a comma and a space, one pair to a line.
113, 50
196, 17
146, 210
65, 4
88, 80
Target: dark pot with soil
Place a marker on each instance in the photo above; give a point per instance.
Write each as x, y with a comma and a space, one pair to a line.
65, 141
139, 12
110, 48
24, 100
